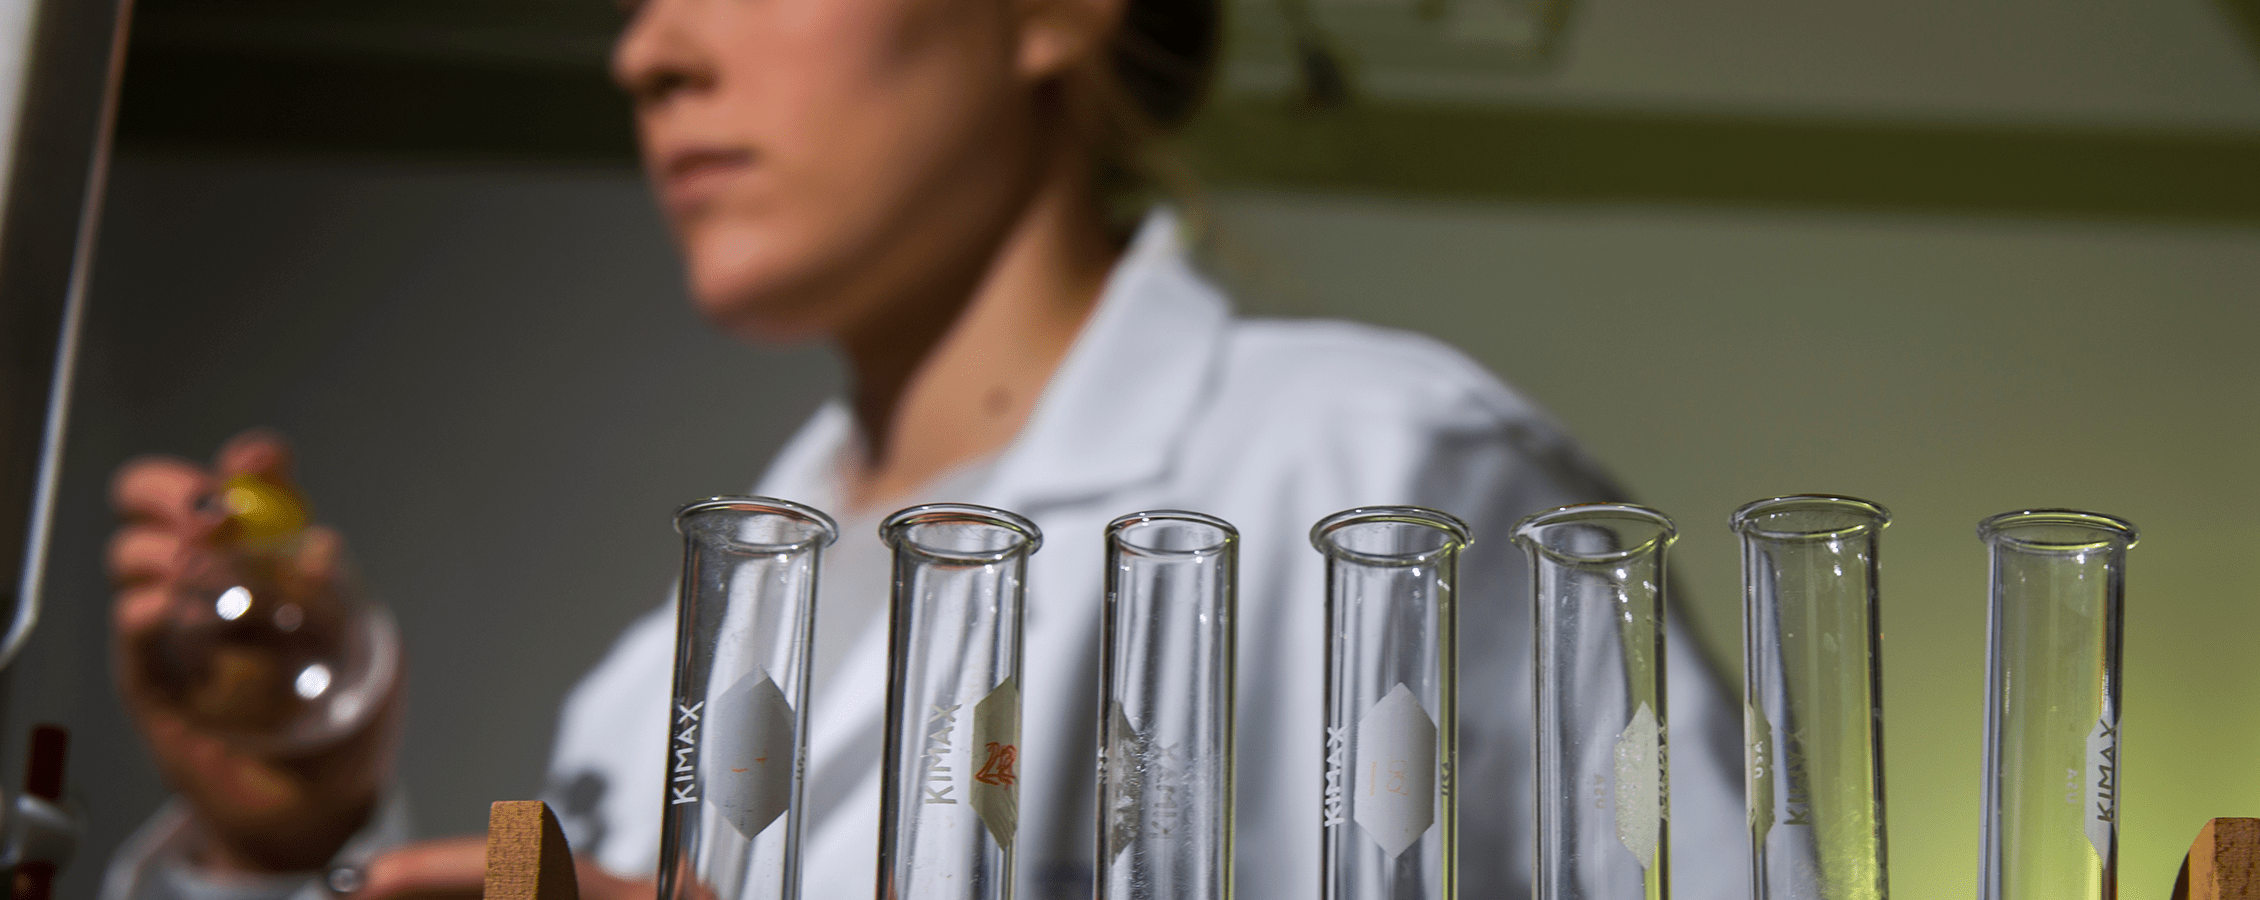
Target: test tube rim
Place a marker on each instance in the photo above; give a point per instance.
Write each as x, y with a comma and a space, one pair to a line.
1667, 531
1116, 532
1459, 537
1745, 520
893, 528
1997, 530
827, 530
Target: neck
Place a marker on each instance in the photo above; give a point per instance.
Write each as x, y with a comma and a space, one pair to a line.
933, 395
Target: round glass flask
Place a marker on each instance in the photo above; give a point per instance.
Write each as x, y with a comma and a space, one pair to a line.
265, 639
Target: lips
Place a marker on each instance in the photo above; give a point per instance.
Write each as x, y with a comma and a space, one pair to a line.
690, 178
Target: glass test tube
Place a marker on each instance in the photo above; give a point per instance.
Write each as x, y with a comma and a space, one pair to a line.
949, 801
1165, 736
1391, 703
1813, 702
738, 728
1598, 573
2052, 705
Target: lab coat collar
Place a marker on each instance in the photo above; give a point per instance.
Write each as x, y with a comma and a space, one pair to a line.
1114, 409
1129, 386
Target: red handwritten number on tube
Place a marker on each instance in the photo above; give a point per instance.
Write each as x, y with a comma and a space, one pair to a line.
1396, 783
998, 769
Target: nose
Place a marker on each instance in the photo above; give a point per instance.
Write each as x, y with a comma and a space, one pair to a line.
658, 56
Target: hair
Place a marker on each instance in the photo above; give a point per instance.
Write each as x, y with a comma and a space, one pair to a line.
1157, 72
1164, 54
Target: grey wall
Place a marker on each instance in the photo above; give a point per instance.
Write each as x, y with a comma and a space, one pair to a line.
501, 395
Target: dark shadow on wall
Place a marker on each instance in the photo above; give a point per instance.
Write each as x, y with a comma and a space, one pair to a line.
2246, 15
187, 90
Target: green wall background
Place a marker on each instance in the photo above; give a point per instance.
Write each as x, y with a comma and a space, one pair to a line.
1947, 367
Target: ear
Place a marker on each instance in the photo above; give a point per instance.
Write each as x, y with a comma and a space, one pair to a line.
1058, 36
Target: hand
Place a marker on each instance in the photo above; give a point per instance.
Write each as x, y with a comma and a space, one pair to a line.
255, 812
456, 869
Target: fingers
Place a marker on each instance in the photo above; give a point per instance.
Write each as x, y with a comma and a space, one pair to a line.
140, 554
258, 451
161, 491
456, 867
596, 883
448, 867
166, 490
143, 560
137, 610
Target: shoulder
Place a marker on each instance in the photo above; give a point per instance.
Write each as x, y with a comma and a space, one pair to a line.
1327, 371
1363, 402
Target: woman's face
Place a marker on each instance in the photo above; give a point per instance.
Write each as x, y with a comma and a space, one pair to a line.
820, 159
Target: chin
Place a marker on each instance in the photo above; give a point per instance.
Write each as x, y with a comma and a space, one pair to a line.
753, 295
758, 318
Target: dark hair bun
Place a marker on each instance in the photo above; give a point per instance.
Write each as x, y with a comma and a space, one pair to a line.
1165, 54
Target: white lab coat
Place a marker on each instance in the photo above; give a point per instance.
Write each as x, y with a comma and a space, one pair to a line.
1167, 400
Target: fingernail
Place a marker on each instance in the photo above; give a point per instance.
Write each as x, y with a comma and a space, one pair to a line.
345, 881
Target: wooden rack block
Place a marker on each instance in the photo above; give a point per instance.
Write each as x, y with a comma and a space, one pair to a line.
2223, 863
526, 854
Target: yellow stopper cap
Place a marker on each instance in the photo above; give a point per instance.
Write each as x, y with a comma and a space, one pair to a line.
262, 511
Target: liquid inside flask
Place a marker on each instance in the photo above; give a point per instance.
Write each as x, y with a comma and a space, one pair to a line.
265, 638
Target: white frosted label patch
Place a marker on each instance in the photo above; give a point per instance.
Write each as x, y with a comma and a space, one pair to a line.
1639, 793
1394, 795
995, 793
1124, 751
1758, 759
2100, 812
747, 757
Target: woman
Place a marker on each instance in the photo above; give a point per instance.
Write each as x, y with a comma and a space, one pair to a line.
927, 184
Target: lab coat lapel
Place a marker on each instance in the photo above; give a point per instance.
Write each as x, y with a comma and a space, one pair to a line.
1113, 412
1111, 415
802, 470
